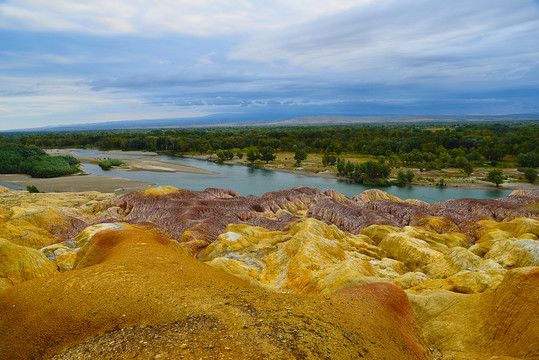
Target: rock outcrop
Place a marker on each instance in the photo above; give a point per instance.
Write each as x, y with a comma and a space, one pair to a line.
502, 322
296, 273
21, 263
136, 294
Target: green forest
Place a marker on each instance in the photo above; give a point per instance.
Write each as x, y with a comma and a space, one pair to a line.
424, 147
19, 159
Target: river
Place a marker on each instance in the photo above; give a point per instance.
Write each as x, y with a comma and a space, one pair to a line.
246, 180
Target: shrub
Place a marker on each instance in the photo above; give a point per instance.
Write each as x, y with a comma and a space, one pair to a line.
110, 163
32, 189
530, 174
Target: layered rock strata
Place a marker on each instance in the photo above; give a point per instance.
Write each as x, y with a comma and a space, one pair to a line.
468, 266
142, 285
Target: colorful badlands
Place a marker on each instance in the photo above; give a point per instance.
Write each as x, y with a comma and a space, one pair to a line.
294, 274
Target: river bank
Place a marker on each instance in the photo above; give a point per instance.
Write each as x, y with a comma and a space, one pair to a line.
427, 178
142, 172
145, 163
78, 183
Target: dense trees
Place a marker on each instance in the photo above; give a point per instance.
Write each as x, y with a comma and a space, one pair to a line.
267, 153
329, 159
529, 159
31, 160
223, 155
370, 172
530, 174
424, 147
404, 177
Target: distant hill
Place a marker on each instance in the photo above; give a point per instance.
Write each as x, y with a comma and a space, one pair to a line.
247, 120
350, 120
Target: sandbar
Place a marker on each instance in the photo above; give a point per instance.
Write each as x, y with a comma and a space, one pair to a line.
150, 165
77, 183
144, 163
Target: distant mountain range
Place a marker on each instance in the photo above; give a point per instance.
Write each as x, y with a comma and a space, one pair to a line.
247, 120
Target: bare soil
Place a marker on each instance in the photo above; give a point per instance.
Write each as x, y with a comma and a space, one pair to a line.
76, 183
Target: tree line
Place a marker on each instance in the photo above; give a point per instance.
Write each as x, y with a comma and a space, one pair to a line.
425, 147
412, 143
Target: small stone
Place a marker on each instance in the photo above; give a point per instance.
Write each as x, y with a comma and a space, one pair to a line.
183, 346
158, 356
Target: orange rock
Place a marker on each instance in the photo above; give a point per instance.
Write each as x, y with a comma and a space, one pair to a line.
131, 291
397, 310
502, 322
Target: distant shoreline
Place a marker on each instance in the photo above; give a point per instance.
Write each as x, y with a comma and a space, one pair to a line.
78, 183
450, 183
120, 185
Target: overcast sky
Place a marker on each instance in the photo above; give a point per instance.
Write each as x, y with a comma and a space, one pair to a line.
69, 61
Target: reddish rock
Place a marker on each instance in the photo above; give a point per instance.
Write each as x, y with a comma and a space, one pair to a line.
350, 218
394, 307
133, 292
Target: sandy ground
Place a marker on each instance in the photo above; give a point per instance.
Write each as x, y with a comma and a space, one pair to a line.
55, 152
101, 183
151, 165
76, 183
140, 164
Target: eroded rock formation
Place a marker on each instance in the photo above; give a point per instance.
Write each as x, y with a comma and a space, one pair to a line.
502, 322
135, 282
109, 264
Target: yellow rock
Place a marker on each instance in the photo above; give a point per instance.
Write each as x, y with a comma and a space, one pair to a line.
410, 279
417, 255
20, 263
311, 257
515, 253
520, 226
26, 234
377, 233
437, 224
85, 235
5, 283
374, 194
493, 231
464, 282
497, 323
66, 260
160, 190
34, 226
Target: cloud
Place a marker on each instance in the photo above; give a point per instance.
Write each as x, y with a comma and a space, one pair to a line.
53, 101
200, 18
76, 61
393, 41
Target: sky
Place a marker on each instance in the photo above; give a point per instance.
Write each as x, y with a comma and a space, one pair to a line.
71, 61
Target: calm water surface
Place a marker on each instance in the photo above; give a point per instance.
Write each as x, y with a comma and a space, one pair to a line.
247, 180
